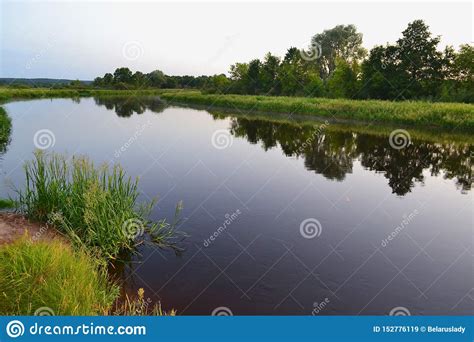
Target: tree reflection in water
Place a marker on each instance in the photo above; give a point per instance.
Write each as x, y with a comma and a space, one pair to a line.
332, 153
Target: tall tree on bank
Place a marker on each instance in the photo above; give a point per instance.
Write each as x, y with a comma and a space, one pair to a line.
420, 60
413, 68
341, 42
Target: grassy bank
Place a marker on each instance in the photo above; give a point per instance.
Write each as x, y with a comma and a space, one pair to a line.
5, 129
421, 114
51, 278
95, 210
413, 113
434, 135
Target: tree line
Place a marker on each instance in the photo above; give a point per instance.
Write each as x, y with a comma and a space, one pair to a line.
336, 65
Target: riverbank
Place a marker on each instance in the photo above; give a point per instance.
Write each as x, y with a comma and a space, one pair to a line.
420, 114
7, 94
72, 221
452, 116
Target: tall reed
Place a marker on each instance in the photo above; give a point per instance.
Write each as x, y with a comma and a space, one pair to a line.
96, 207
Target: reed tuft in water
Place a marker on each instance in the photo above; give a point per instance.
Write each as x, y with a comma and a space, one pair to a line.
96, 207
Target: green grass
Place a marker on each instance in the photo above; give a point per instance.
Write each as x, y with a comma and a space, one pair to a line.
96, 207
6, 203
434, 135
417, 113
5, 129
50, 274
422, 114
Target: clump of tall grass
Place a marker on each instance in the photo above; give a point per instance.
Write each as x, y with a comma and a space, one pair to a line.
96, 207
49, 277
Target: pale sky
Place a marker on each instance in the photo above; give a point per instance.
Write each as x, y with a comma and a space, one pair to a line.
85, 39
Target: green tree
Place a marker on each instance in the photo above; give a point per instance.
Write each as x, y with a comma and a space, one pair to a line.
420, 61
253, 75
343, 81
123, 75
292, 75
342, 41
108, 79
139, 80
269, 74
98, 82
239, 77
217, 84
156, 78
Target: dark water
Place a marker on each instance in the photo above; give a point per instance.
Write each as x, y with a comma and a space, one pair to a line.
256, 192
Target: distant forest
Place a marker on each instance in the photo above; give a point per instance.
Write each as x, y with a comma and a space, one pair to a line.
335, 65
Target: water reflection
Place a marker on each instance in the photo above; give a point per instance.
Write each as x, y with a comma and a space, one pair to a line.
127, 106
332, 152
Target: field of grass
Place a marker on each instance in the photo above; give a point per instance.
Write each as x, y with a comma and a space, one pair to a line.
457, 116
44, 276
96, 207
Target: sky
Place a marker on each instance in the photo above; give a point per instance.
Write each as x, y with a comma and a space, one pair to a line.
85, 39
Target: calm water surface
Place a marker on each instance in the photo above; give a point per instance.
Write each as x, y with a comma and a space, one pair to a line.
252, 194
